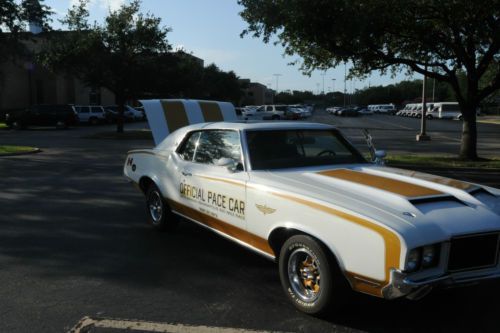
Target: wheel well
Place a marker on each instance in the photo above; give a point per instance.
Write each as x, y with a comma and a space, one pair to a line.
279, 236
144, 183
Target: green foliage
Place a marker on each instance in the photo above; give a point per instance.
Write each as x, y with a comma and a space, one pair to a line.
14, 18
442, 39
129, 54
220, 85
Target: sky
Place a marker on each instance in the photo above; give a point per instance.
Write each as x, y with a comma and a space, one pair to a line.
210, 29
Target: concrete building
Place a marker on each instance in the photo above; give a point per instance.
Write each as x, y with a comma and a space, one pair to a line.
256, 94
22, 85
25, 83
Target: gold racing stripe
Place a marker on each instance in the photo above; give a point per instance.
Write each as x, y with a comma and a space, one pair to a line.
211, 111
358, 282
225, 228
232, 182
175, 115
391, 240
382, 183
458, 184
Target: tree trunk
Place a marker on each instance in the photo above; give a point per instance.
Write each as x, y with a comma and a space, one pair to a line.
468, 148
121, 111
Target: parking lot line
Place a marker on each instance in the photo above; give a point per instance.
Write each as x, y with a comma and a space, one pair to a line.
391, 124
87, 324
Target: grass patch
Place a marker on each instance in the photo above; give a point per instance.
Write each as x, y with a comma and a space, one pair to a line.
440, 162
127, 135
3, 126
15, 149
489, 121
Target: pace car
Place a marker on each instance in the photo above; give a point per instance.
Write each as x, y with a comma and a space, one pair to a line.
302, 195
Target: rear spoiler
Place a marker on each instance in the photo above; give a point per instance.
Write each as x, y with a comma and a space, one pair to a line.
167, 115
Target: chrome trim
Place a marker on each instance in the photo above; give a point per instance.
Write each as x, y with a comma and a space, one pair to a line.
246, 245
401, 285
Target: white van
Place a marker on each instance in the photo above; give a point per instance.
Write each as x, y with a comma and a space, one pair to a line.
444, 110
382, 108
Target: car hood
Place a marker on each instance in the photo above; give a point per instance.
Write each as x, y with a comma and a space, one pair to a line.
411, 203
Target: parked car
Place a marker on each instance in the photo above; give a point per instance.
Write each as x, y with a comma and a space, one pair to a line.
301, 195
271, 112
348, 112
129, 114
383, 108
58, 115
305, 110
364, 111
293, 113
91, 114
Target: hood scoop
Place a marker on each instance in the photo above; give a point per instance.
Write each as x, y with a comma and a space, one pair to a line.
480, 192
428, 204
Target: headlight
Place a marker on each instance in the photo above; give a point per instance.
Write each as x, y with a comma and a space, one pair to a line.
430, 256
413, 261
423, 257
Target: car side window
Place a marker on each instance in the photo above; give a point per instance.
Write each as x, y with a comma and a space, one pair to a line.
269, 108
214, 145
96, 109
188, 148
83, 109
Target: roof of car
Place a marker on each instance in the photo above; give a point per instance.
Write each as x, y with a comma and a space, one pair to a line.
258, 125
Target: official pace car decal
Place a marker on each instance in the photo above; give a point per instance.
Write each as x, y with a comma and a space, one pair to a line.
211, 202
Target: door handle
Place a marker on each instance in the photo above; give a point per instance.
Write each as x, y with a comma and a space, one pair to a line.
186, 174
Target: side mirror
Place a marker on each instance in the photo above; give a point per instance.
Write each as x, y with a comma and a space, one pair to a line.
229, 163
379, 157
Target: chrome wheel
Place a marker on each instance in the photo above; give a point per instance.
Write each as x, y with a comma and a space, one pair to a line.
155, 205
304, 274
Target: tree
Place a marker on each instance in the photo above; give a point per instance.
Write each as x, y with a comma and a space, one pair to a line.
120, 54
220, 85
438, 39
14, 17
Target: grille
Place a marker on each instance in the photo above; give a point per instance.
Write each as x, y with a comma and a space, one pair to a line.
473, 252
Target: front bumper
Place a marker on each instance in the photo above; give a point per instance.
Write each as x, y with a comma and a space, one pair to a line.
401, 285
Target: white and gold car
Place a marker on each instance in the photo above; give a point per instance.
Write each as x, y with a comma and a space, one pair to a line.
301, 194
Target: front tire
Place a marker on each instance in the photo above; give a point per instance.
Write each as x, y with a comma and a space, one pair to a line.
159, 214
310, 275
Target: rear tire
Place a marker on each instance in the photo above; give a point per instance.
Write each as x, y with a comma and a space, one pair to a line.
310, 276
160, 215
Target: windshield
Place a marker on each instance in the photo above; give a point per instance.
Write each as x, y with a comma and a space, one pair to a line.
279, 149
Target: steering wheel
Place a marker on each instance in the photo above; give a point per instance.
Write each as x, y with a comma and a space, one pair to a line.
326, 151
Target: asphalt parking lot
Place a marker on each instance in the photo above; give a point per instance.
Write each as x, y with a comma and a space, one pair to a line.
74, 243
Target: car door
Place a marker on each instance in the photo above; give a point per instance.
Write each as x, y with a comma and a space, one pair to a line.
260, 112
213, 184
83, 113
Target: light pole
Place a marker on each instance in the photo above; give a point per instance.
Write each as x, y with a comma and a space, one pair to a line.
277, 78
422, 136
323, 75
345, 83
333, 87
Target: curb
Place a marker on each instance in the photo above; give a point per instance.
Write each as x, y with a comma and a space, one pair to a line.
33, 151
